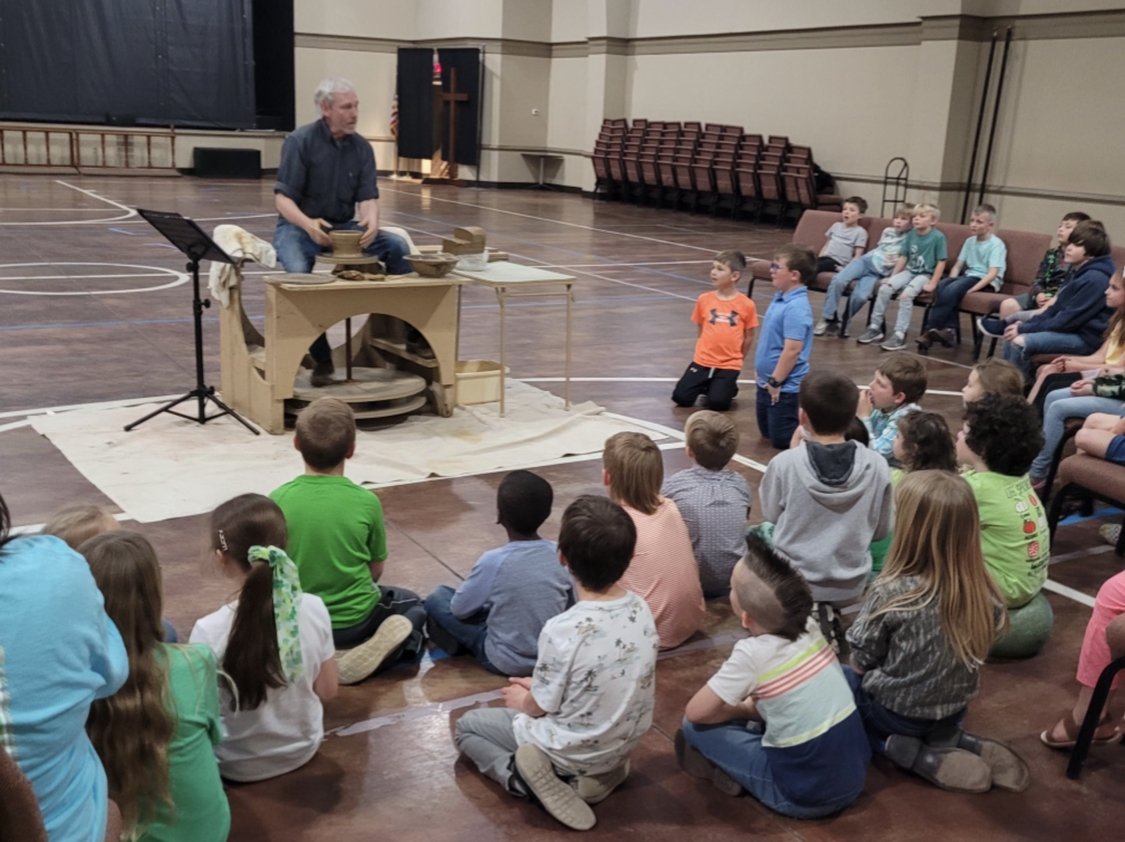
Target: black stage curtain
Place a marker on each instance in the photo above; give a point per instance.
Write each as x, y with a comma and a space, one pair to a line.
467, 62
415, 89
188, 62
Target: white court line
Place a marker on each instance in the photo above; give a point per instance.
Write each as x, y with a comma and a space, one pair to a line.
1069, 593
177, 277
15, 425
129, 212
52, 210
163, 274
115, 404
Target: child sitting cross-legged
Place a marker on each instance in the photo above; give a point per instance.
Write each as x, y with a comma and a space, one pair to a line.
923, 634
713, 500
498, 612
828, 499
778, 718
998, 442
663, 569
565, 735
275, 643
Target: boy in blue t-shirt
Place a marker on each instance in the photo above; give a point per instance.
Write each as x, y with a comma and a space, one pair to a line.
778, 718
980, 266
921, 262
499, 610
781, 360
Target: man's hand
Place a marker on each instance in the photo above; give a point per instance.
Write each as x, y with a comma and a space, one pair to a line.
317, 230
369, 232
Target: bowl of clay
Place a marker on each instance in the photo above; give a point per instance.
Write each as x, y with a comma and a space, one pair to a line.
435, 265
346, 243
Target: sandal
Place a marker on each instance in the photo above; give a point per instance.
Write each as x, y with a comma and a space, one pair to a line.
1106, 733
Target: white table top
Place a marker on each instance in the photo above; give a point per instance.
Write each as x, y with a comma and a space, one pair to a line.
506, 273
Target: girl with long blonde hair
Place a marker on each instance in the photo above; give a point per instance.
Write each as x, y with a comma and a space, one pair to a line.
923, 633
155, 736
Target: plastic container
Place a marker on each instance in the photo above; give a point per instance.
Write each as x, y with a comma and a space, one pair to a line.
478, 381
473, 262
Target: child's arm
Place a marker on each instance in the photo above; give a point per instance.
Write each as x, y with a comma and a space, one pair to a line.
935, 279
376, 568
706, 708
986, 281
517, 696
790, 353
958, 268
327, 682
475, 592
900, 264
748, 341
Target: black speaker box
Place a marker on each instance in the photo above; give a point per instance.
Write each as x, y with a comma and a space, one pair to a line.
226, 163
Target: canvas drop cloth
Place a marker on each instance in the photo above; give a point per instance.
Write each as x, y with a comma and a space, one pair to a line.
169, 467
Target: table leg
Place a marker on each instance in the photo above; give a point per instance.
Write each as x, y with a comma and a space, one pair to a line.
566, 354
501, 295
348, 348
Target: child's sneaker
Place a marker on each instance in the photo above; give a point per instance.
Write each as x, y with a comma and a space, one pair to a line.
895, 343
1110, 532
442, 639
693, 762
557, 797
594, 789
826, 326
872, 334
358, 663
952, 769
991, 326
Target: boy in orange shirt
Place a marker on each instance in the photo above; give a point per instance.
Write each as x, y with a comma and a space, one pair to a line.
727, 320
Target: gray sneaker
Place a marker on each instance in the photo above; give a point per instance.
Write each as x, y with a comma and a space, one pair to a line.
872, 334
895, 343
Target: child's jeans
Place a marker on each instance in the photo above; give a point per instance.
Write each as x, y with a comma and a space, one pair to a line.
866, 272
736, 748
947, 299
881, 723
1044, 342
907, 285
777, 421
469, 633
1057, 408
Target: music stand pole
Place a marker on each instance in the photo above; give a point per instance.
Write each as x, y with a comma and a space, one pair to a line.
192, 241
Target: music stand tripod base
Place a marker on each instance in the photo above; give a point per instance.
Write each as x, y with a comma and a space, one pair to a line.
189, 238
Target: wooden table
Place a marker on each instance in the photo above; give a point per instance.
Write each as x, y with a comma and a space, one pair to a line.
511, 280
297, 313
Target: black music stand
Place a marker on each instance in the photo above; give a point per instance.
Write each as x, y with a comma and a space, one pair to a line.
189, 238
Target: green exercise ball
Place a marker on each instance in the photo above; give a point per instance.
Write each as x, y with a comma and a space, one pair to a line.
1029, 626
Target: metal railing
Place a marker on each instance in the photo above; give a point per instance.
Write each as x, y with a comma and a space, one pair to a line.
86, 148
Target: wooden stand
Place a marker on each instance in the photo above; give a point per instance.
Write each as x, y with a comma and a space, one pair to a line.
260, 373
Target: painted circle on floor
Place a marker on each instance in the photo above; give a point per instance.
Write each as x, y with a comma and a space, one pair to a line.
100, 271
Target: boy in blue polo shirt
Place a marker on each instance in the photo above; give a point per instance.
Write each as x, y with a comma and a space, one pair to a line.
782, 357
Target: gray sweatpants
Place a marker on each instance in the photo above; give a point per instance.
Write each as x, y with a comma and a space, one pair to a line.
486, 736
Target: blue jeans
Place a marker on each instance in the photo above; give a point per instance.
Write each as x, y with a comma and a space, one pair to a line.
736, 748
777, 421
950, 291
881, 723
1058, 407
1044, 342
865, 272
469, 633
296, 252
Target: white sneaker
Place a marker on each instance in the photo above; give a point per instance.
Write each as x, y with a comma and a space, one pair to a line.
358, 663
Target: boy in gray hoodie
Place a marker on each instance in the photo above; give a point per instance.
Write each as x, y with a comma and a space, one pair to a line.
828, 499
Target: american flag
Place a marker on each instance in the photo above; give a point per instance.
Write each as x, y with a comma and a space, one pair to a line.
394, 118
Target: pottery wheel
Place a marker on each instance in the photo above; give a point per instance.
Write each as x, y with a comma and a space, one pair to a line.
372, 392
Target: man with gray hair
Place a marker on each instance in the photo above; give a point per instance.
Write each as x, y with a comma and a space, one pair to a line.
326, 181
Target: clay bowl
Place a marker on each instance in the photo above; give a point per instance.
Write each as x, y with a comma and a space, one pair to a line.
345, 243
432, 265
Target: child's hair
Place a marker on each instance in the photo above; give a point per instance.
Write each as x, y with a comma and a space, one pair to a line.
829, 400
252, 659
904, 212
906, 374
1076, 217
937, 540
1091, 235
5, 522
1115, 331
1005, 432
932, 210
325, 433
857, 431
712, 437
858, 201
985, 210
782, 607
524, 501
801, 259
597, 538
80, 522
999, 377
636, 470
131, 729
733, 259
926, 442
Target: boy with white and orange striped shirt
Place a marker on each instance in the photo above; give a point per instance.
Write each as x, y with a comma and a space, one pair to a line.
778, 718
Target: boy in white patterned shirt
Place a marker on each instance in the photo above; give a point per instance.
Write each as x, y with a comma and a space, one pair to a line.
565, 734
713, 500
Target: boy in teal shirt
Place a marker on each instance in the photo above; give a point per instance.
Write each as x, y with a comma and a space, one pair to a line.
339, 543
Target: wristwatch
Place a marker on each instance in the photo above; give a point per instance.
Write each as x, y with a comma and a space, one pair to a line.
773, 382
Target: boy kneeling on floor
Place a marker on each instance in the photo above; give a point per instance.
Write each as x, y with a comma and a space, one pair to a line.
565, 734
778, 718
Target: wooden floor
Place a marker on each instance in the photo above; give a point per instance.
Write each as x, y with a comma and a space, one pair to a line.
93, 308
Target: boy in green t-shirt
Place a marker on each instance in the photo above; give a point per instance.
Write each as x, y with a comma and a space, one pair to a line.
339, 543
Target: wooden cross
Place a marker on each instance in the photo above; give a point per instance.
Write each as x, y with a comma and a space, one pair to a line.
449, 98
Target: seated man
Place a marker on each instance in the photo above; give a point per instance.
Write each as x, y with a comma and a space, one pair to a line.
326, 179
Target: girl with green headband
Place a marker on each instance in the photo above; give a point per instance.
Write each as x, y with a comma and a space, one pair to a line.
273, 641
